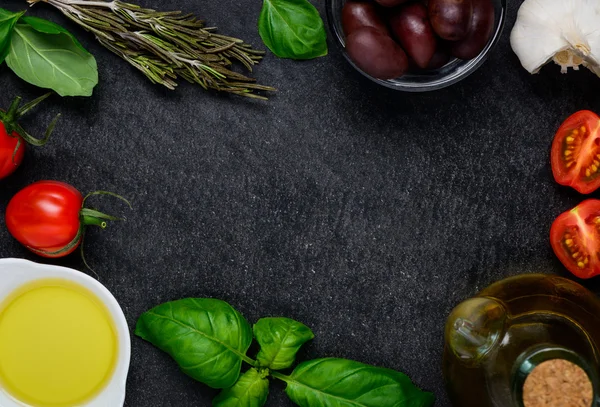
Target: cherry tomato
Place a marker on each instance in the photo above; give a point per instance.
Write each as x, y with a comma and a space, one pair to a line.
575, 153
13, 137
12, 151
49, 217
575, 239
44, 217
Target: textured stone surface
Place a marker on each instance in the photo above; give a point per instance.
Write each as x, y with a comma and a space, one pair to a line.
365, 213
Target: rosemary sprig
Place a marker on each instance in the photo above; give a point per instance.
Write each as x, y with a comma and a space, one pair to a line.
168, 45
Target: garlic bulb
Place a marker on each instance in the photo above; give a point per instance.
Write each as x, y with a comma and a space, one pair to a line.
564, 31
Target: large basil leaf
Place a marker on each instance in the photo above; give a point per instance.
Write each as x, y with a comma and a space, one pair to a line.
345, 383
292, 29
48, 27
279, 340
208, 338
52, 61
8, 20
251, 390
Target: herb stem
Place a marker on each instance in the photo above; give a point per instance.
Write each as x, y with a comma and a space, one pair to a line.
249, 361
281, 376
84, 3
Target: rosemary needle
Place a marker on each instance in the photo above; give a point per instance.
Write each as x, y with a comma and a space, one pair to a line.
166, 46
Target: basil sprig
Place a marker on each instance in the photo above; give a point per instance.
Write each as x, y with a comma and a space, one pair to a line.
292, 29
46, 55
209, 340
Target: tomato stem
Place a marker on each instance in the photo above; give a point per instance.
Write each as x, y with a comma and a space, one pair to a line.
93, 221
93, 217
10, 119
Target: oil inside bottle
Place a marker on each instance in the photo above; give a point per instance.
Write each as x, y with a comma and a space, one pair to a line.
492, 338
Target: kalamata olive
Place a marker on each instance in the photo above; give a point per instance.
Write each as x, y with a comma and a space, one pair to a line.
440, 57
410, 25
480, 31
390, 3
451, 19
358, 14
376, 53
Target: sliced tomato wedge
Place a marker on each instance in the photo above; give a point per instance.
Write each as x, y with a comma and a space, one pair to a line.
575, 239
575, 153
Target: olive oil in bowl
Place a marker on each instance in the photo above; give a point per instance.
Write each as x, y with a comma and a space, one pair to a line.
58, 344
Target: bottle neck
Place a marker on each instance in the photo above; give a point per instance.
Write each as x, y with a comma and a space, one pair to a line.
534, 357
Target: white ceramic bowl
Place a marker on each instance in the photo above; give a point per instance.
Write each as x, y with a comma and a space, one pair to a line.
16, 272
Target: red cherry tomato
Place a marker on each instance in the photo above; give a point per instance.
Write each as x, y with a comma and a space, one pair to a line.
49, 217
12, 151
575, 239
44, 217
575, 153
13, 137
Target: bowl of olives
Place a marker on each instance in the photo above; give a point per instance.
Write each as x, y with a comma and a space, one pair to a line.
416, 45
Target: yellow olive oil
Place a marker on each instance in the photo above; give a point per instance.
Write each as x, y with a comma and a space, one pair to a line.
58, 344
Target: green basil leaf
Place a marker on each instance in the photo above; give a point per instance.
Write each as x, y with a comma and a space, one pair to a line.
345, 383
279, 340
48, 27
292, 29
208, 338
8, 20
251, 390
52, 61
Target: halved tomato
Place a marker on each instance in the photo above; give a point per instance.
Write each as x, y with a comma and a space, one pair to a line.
575, 239
575, 153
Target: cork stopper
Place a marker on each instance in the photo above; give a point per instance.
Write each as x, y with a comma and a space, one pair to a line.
558, 383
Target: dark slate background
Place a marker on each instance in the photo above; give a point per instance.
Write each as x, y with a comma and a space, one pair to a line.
366, 213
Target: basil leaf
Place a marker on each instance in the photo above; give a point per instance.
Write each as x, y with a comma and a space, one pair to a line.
8, 20
52, 61
208, 338
48, 27
279, 340
292, 29
251, 390
345, 383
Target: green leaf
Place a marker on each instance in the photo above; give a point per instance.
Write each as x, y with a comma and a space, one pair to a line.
251, 390
292, 29
48, 27
8, 20
279, 340
345, 383
52, 61
208, 338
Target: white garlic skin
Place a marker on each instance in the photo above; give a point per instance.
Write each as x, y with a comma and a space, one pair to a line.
566, 31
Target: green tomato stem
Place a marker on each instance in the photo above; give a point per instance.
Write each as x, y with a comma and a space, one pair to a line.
93, 221
11, 117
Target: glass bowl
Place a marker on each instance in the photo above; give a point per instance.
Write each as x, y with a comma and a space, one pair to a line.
454, 71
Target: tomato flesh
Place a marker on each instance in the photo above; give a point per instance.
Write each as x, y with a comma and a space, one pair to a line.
575, 239
575, 153
44, 217
8, 143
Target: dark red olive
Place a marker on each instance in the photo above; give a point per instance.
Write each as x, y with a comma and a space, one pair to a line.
480, 31
410, 25
440, 58
451, 19
358, 14
390, 3
376, 53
